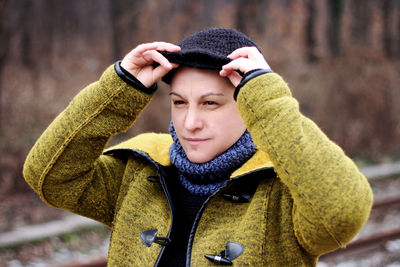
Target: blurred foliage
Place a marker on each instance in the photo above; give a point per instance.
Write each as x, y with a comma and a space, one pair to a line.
340, 58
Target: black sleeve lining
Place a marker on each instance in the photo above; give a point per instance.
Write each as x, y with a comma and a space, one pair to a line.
247, 77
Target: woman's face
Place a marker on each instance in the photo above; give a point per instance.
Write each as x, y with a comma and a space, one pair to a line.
204, 113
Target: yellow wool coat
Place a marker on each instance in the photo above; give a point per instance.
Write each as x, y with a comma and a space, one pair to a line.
309, 197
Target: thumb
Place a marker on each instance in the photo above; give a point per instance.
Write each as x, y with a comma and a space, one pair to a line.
234, 78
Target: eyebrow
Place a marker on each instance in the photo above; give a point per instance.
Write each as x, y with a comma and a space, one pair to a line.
203, 96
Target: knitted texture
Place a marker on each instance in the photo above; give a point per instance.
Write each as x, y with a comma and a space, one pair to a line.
317, 203
204, 178
208, 49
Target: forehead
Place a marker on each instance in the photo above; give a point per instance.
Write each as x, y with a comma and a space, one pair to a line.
194, 80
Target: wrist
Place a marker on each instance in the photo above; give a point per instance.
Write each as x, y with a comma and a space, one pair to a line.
127, 77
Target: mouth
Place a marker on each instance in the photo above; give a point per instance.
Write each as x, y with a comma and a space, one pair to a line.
195, 141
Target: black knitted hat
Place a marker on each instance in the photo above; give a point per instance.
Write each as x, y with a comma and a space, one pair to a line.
207, 49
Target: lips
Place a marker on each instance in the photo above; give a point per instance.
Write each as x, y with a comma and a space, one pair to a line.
195, 141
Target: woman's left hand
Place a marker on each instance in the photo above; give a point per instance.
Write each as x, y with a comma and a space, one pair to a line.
244, 59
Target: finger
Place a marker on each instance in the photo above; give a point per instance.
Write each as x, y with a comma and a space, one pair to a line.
136, 59
246, 52
160, 71
226, 72
159, 46
174, 65
154, 56
246, 64
235, 78
241, 64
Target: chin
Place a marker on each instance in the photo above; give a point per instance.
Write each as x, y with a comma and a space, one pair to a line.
199, 158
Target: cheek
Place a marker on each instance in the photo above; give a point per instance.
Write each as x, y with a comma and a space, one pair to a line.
230, 125
177, 119
231, 116
174, 115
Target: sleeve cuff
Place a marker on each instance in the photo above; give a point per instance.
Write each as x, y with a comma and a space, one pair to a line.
247, 77
132, 80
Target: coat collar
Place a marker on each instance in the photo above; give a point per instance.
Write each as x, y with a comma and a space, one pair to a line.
260, 160
156, 146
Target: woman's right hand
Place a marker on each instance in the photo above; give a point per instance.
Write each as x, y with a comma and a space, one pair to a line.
139, 62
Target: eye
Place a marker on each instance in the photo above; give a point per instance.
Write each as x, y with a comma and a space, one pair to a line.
210, 103
178, 102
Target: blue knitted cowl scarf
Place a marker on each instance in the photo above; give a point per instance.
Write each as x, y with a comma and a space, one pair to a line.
202, 179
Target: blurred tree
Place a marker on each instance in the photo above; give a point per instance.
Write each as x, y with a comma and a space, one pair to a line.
9, 22
124, 23
4, 36
386, 6
361, 20
310, 31
334, 25
252, 15
397, 31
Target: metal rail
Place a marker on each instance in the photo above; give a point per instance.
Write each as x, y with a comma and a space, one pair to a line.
386, 202
381, 171
364, 245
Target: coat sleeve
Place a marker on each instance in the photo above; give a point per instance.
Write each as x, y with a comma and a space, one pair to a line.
66, 166
331, 198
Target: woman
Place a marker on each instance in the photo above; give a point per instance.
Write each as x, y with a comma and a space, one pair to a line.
244, 173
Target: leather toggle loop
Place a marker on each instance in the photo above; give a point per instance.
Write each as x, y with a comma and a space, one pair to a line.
231, 252
237, 197
149, 237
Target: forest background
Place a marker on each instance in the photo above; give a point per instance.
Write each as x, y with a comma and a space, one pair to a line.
341, 59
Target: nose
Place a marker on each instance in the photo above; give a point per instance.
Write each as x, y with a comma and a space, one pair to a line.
193, 119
